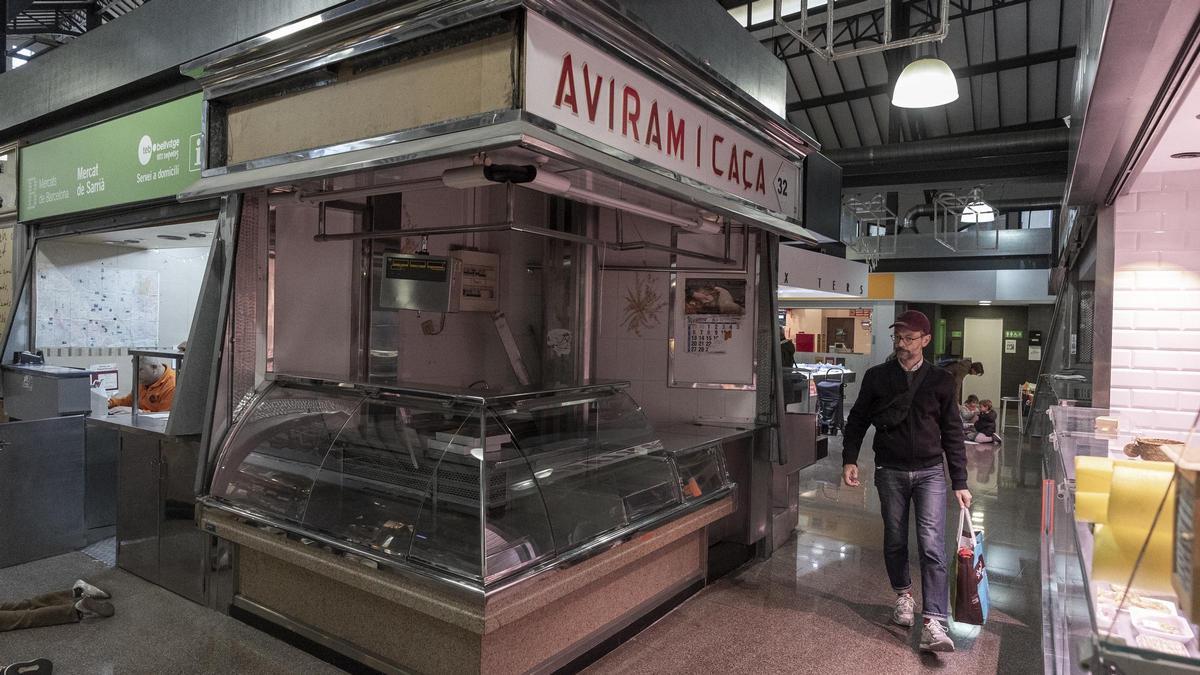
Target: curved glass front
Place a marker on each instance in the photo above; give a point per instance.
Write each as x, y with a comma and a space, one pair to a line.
479, 489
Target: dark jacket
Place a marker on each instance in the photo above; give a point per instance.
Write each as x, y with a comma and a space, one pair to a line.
986, 424
787, 353
933, 428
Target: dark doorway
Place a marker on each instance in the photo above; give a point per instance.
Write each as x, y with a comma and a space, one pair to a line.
839, 330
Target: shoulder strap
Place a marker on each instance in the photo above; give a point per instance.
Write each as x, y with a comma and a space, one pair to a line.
925, 367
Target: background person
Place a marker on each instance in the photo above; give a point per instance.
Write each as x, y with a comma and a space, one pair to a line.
969, 411
909, 472
82, 601
985, 426
960, 369
156, 389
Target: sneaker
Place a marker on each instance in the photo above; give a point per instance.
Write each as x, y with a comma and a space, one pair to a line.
83, 589
91, 608
934, 638
902, 615
34, 667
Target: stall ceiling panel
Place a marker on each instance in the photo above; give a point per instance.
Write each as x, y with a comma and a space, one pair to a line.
154, 40
320, 117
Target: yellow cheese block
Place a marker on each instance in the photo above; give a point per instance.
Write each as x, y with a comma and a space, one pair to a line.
1091, 507
1093, 474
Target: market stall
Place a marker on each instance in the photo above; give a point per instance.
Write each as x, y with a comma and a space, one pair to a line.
104, 261
439, 399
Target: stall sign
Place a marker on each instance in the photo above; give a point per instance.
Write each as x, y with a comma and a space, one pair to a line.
809, 270
147, 155
579, 87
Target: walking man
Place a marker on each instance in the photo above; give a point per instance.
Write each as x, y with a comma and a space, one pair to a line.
918, 435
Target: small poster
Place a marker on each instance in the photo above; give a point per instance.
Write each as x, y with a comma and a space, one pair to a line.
724, 297
1010, 346
714, 309
1035, 353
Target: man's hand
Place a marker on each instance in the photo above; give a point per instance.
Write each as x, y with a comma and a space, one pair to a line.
964, 498
850, 475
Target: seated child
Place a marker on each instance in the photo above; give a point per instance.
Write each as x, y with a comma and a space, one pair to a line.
969, 411
985, 425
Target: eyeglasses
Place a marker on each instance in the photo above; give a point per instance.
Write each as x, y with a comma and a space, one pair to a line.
906, 340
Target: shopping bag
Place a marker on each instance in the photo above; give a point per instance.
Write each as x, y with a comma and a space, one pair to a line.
969, 594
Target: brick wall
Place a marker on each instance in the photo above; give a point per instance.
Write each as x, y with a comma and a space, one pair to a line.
1156, 302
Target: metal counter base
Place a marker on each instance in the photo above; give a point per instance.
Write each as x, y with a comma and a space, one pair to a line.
394, 624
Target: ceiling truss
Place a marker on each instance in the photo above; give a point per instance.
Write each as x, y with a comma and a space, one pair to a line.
1014, 61
34, 27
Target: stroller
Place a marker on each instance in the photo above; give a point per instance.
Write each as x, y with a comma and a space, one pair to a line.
831, 395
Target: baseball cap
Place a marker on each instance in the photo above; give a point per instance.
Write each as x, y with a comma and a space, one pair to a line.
913, 320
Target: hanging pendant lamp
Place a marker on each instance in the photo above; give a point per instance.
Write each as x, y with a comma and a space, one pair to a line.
925, 83
978, 212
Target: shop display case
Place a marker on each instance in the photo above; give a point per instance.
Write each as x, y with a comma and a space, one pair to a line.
1117, 546
471, 487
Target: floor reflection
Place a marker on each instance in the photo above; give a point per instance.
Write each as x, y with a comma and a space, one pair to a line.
822, 603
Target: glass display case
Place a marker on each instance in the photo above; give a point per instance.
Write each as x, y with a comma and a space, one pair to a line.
1118, 542
470, 486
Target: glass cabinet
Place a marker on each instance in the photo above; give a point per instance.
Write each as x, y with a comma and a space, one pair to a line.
1118, 542
467, 485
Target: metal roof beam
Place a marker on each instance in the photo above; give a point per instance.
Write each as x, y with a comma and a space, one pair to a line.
856, 26
1034, 59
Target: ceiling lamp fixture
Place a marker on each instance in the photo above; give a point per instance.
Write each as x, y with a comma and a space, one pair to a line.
977, 210
925, 83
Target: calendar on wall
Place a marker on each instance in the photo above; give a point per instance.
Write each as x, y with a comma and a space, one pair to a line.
712, 331
710, 334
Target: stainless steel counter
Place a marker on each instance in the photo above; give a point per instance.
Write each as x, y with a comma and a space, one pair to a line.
676, 436
34, 392
146, 423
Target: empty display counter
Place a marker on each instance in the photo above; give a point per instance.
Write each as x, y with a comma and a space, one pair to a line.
475, 518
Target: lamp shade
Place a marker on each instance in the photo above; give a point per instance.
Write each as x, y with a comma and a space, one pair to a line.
978, 212
925, 83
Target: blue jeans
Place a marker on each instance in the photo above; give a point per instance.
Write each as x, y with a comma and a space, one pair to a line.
926, 489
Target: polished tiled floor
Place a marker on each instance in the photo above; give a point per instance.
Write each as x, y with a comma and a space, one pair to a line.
822, 604
819, 605
154, 631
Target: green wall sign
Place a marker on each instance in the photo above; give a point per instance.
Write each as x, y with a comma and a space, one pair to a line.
147, 155
1017, 334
